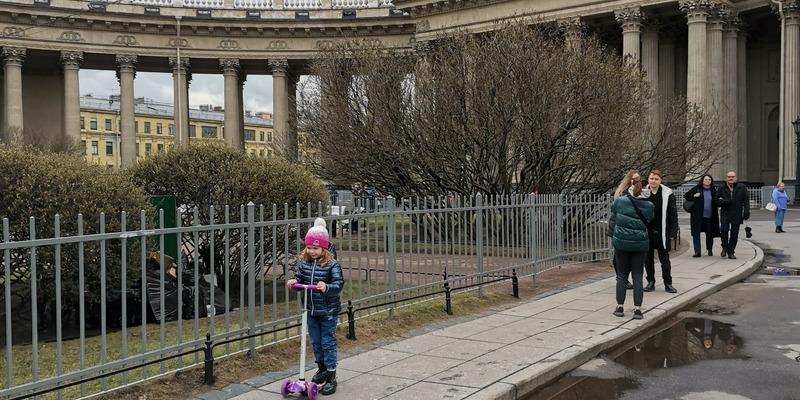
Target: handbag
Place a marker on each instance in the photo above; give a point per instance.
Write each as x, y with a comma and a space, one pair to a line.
771, 206
652, 233
688, 205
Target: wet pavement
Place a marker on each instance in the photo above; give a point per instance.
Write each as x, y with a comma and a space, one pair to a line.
740, 343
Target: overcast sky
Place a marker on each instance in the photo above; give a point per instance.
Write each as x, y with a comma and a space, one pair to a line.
203, 89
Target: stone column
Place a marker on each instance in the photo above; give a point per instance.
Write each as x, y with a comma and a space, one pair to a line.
792, 82
730, 95
715, 73
233, 131
631, 21
292, 79
280, 104
71, 61
573, 29
666, 74
12, 93
650, 66
697, 12
126, 73
181, 79
741, 104
240, 79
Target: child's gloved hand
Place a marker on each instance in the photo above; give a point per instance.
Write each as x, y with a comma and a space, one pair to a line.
290, 283
322, 286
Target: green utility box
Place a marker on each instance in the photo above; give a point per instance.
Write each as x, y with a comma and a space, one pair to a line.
167, 203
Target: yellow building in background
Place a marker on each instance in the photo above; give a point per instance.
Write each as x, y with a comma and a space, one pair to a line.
100, 129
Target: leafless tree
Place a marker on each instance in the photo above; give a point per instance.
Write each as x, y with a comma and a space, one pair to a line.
510, 111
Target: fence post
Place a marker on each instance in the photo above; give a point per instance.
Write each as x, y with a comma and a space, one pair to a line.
351, 321
251, 277
560, 230
448, 303
514, 283
478, 243
392, 252
532, 243
208, 377
609, 201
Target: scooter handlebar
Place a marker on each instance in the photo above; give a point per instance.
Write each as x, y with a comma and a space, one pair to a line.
300, 286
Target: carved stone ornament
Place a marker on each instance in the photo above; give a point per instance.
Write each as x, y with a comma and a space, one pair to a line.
628, 17
173, 62
573, 25
72, 58
12, 31
277, 45
228, 44
127, 60
71, 36
423, 25
126, 40
14, 55
691, 7
178, 42
278, 66
229, 65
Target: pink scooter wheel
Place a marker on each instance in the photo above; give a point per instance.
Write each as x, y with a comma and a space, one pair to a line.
285, 388
313, 390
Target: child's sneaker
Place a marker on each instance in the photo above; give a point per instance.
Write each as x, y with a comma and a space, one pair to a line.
330, 386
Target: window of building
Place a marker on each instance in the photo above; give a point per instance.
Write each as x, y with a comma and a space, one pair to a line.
83, 145
249, 134
146, 127
159, 128
261, 136
83, 124
93, 124
171, 129
269, 153
148, 149
109, 127
192, 131
95, 150
136, 126
262, 153
269, 136
109, 148
209, 131
138, 149
160, 148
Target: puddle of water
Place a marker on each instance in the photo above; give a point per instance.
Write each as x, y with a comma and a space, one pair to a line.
688, 341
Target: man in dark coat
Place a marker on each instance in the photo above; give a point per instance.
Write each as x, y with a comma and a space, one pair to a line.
666, 223
734, 209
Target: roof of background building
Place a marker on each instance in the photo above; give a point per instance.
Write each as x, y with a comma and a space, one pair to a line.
153, 108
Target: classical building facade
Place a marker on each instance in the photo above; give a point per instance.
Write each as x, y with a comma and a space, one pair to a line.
154, 125
721, 54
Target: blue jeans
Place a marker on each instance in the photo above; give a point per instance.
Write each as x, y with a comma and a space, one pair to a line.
322, 330
779, 217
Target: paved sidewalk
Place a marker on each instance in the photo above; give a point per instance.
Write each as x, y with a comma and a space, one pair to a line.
509, 354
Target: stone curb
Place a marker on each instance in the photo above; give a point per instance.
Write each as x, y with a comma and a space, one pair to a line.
531, 378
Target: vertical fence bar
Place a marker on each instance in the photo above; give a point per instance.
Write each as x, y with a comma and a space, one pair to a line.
179, 271
403, 270
392, 252
145, 299
59, 352
103, 305
196, 257
227, 276
251, 281
298, 249
34, 306
275, 269
479, 240
162, 319
242, 271
212, 269
286, 261
7, 284
124, 289
262, 261
560, 229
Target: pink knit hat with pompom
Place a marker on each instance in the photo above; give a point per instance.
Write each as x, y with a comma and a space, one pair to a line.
318, 235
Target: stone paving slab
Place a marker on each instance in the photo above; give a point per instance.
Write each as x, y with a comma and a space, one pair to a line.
512, 352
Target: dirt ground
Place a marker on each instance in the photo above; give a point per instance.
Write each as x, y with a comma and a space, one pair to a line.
282, 356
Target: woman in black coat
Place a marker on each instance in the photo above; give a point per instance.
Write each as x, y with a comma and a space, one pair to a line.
704, 214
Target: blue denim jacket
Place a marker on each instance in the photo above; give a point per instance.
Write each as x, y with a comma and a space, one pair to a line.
328, 303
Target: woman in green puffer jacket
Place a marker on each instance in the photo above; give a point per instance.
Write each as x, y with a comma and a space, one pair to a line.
630, 238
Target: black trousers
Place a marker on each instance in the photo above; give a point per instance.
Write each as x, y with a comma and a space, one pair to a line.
730, 236
630, 263
663, 257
